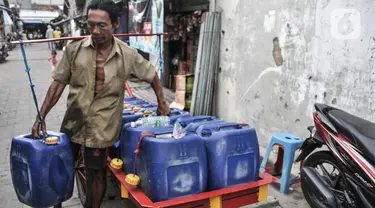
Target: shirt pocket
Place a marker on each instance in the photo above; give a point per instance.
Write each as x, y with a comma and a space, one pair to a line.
78, 78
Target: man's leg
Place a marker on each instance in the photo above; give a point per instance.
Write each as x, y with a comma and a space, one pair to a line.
96, 177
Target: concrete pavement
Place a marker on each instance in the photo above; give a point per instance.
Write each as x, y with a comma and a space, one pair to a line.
17, 114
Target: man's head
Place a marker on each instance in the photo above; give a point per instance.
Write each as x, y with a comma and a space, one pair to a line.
102, 18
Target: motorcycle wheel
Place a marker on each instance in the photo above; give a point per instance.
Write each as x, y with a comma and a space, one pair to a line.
331, 174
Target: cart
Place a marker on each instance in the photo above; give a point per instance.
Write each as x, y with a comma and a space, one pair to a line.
235, 196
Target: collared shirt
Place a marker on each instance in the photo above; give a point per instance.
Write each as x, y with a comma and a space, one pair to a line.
95, 121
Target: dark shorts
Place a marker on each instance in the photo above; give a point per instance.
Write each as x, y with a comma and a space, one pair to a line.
94, 158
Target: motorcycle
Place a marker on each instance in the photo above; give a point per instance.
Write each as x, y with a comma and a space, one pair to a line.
10, 45
3, 51
343, 175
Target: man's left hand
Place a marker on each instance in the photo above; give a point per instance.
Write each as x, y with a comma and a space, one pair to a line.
163, 109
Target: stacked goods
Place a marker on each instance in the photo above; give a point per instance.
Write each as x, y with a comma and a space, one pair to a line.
205, 154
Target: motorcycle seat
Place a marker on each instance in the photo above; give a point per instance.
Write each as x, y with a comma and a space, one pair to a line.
360, 131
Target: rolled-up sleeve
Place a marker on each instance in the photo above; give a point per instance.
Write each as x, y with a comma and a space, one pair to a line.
61, 74
142, 68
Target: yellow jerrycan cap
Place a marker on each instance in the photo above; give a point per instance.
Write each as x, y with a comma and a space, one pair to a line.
147, 113
127, 106
52, 140
116, 163
136, 109
132, 179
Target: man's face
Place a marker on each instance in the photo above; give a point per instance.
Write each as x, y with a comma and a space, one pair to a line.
100, 26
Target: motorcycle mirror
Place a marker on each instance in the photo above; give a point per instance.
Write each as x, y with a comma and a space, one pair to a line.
310, 128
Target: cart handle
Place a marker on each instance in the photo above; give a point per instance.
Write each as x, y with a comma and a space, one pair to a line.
82, 37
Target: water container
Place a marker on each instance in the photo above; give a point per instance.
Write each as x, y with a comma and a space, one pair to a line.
136, 102
130, 116
42, 174
171, 168
192, 123
232, 152
176, 114
127, 117
145, 105
129, 98
128, 143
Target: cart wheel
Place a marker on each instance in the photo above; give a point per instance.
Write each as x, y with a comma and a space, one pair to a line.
80, 175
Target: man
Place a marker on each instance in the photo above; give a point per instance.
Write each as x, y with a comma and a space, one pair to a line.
57, 33
96, 69
49, 35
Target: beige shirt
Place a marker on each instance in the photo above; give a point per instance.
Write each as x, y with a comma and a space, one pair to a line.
96, 121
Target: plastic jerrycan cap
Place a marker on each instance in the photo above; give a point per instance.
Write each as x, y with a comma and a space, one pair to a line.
116, 163
132, 179
127, 106
52, 140
136, 109
206, 132
147, 113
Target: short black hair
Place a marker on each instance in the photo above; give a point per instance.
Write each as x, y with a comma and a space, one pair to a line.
106, 5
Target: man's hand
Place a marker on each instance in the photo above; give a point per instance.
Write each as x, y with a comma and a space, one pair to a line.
53, 95
39, 125
163, 109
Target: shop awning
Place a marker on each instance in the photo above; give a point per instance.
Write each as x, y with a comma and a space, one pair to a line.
65, 20
33, 22
37, 16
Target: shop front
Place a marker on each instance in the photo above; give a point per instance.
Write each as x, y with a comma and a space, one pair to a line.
36, 21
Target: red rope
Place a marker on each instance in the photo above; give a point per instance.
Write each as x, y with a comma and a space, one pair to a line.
127, 87
136, 151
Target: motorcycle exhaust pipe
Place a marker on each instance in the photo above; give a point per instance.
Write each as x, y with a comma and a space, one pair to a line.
317, 187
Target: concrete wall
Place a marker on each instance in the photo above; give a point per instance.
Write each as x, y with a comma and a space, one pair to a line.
279, 57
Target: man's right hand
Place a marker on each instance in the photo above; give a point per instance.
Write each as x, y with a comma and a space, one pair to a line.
37, 127
53, 95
